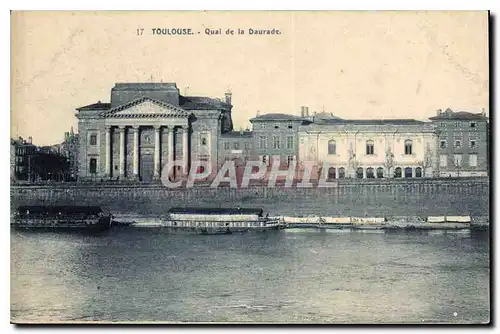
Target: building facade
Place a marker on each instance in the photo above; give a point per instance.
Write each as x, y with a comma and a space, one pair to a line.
21, 155
368, 148
462, 143
145, 126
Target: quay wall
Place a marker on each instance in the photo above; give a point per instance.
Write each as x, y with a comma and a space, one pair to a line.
422, 197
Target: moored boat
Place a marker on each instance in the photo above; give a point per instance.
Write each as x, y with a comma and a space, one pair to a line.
61, 217
220, 220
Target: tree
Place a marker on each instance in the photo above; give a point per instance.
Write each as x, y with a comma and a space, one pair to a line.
389, 161
353, 162
427, 160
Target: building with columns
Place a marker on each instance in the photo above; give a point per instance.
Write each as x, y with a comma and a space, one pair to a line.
145, 126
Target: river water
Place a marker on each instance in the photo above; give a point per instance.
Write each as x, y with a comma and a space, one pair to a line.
289, 276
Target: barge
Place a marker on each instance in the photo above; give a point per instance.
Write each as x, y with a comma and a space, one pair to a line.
65, 217
220, 220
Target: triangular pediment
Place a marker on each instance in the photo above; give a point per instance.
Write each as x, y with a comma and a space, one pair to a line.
146, 107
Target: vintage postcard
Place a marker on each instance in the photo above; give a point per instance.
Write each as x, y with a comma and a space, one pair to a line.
285, 167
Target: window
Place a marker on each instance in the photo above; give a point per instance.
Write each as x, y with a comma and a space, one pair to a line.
226, 145
359, 173
289, 142
370, 173
93, 166
473, 143
408, 172
370, 147
380, 172
290, 159
203, 140
290, 125
457, 124
265, 160
443, 124
93, 139
332, 173
408, 147
236, 146
473, 160
276, 142
262, 142
418, 172
443, 143
276, 126
341, 173
473, 124
397, 172
262, 125
332, 147
458, 144
457, 158
247, 145
443, 160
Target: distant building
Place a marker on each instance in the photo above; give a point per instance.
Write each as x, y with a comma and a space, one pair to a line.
21, 155
462, 143
69, 149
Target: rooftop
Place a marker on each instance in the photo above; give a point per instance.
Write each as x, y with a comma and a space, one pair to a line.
449, 114
277, 117
237, 134
137, 86
96, 106
201, 103
369, 121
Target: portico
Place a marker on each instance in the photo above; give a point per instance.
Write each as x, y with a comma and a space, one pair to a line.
143, 128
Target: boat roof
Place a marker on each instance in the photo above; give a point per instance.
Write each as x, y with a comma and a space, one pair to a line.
59, 208
216, 211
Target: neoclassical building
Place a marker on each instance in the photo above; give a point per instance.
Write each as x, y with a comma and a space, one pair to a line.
145, 126
369, 148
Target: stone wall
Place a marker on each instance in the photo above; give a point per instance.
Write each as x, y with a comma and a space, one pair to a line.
350, 198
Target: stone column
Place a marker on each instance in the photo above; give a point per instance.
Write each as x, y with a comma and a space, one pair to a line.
170, 143
121, 130
157, 153
136, 152
185, 151
107, 157
364, 173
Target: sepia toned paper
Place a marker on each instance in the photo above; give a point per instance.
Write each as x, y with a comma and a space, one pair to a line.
381, 71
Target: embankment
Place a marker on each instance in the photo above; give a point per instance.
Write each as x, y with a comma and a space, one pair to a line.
419, 197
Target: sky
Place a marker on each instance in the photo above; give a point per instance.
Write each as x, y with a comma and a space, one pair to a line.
354, 64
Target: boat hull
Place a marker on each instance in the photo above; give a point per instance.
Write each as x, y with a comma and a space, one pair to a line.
50, 224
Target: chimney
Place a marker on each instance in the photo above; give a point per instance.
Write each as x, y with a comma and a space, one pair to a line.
439, 112
302, 111
307, 111
483, 112
241, 130
258, 113
30, 140
228, 97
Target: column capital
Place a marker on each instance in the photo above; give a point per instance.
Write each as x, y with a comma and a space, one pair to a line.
107, 127
157, 127
121, 128
135, 127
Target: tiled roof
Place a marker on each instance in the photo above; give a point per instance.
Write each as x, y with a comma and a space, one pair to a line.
237, 134
96, 106
276, 117
459, 115
173, 111
369, 121
201, 103
138, 86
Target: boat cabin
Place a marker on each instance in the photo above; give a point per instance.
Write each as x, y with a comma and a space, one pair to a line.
41, 211
215, 214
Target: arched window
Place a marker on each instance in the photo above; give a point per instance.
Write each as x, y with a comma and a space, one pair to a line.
332, 173
93, 166
341, 173
418, 172
397, 172
332, 147
370, 150
408, 147
408, 172
370, 173
380, 172
359, 173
